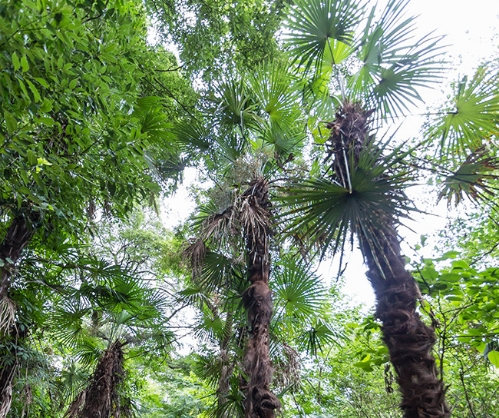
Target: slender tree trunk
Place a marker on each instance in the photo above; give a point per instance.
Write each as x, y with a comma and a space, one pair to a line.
19, 234
227, 367
409, 340
260, 401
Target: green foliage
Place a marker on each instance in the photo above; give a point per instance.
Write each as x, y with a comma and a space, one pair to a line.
219, 37
76, 129
378, 64
326, 212
470, 119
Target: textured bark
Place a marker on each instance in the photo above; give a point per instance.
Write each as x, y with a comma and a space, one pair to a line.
19, 234
101, 399
260, 401
408, 338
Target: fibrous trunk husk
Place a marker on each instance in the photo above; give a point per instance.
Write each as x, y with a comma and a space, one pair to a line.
19, 234
409, 340
101, 398
260, 401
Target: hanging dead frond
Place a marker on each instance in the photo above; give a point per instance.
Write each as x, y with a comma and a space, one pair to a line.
217, 225
6, 379
195, 254
7, 314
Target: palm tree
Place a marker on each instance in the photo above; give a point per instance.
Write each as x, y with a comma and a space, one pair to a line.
361, 188
258, 129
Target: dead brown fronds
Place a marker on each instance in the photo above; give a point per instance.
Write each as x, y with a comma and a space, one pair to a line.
219, 225
195, 254
7, 314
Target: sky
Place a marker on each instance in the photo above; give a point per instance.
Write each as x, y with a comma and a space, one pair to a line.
471, 30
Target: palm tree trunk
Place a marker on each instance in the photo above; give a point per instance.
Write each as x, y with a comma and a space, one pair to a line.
260, 401
19, 234
409, 340
101, 399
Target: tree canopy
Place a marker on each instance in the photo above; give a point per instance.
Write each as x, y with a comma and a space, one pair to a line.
288, 112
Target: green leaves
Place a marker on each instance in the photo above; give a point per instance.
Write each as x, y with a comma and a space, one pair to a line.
298, 292
471, 118
394, 66
472, 178
493, 357
326, 212
383, 66
313, 27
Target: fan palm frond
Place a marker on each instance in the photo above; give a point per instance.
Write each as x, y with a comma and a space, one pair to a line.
473, 116
298, 292
394, 66
313, 27
234, 106
324, 210
193, 135
319, 335
217, 272
472, 178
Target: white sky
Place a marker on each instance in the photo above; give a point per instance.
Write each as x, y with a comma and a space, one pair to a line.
471, 29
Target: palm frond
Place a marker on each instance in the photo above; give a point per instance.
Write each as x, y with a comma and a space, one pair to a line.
234, 107
319, 336
217, 272
473, 116
313, 27
326, 211
298, 292
472, 178
7, 314
394, 66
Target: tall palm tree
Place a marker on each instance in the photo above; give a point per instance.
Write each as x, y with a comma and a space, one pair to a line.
361, 188
257, 125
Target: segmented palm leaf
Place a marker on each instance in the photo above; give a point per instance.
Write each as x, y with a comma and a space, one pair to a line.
472, 178
313, 26
472, 117
298, 292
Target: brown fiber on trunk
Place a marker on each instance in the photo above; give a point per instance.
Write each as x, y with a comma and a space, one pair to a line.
409, 340
19, 234
101, 398
257, 299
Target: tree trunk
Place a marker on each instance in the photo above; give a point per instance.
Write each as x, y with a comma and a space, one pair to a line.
101, 399
409, 339
260, 401
19, 234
